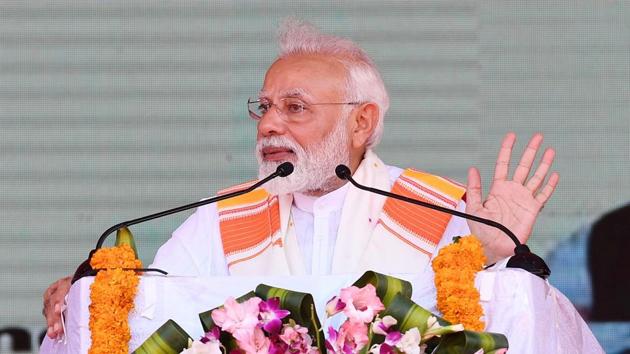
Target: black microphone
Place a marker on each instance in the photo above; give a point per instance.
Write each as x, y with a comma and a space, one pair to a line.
523, 258
84, 269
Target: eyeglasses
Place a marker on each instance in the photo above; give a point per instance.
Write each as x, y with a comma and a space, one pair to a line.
291, 109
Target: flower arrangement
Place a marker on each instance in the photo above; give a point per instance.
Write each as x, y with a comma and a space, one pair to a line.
256, 326
112, 298
380, 319
362, 308
455, 268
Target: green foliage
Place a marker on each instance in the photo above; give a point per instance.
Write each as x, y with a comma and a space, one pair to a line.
170, 338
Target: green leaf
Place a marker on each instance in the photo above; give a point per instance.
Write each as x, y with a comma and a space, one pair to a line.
396, 296
170, 338
386, 286
125, 237
468, 342
302, 308
409, 314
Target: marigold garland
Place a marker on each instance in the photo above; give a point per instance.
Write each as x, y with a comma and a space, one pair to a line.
112, 298
455, 268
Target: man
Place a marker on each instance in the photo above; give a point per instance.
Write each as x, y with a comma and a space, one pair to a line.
322, 104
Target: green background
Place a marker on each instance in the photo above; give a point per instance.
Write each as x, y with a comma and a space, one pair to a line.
110, 110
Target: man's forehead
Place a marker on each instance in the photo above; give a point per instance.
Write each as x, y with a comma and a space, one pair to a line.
297, 92
315, 76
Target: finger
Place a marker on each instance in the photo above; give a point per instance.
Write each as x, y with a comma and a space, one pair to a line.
503, 160
51, 320
524, 166
548, 189
51, 315
53, 330
49, 332
541, 172
52, 309
473, 189
57, 330
54, 322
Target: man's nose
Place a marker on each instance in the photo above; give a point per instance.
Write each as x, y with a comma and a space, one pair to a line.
271, 123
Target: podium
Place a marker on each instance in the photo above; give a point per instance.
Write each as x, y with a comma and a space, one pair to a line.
535, 317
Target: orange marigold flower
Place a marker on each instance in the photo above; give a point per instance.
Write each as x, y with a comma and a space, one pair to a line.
112, 298
455, 268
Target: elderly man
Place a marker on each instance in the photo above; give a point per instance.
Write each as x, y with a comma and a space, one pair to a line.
322, 104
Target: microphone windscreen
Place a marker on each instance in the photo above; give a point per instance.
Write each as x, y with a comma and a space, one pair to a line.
343, 172
285, 169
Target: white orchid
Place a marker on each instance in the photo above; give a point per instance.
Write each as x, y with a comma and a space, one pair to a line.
410, 342
197, 347
435, 329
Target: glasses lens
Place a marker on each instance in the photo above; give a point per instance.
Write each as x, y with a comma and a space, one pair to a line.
254, 108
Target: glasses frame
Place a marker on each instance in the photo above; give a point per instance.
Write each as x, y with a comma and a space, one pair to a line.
257, 117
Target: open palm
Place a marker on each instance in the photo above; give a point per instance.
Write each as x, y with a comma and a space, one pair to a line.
514, 203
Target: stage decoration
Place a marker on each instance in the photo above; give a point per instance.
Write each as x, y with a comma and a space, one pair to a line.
364, 326
380, 318
112, 298
455, 267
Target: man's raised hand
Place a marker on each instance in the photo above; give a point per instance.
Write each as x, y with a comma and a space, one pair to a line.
514, 202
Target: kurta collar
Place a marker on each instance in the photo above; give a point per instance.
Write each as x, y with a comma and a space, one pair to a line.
328, 202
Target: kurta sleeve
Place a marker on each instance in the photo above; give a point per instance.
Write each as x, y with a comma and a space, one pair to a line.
195, 248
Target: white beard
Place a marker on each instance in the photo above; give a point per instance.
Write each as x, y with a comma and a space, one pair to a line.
314, 168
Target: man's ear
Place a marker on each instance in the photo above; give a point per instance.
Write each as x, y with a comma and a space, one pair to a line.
364, 121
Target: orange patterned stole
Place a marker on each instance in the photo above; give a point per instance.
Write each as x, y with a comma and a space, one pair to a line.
419, 227
248, 223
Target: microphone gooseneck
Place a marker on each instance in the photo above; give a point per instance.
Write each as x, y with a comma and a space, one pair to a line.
523, 258
283, 170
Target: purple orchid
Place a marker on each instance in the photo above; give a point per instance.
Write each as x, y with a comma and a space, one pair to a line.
392, 338
211, 336
277, 345
386, 349
383, 325
271, 315
334, 306
331, 342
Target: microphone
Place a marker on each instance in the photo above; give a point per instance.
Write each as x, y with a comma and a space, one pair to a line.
523, 258
84, 269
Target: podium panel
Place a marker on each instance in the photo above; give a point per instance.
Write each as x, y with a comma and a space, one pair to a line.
535, 317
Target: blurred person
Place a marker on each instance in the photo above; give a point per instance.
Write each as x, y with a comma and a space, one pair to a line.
591, 269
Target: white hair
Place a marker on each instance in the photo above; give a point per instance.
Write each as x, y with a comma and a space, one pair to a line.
363, 82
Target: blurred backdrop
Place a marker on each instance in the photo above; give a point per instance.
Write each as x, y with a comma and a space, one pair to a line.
110, 110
